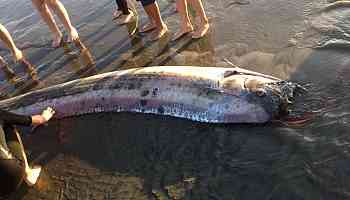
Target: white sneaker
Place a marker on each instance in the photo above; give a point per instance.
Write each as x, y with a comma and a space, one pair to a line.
32, 175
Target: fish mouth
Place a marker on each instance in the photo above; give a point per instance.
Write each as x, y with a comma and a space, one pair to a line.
285, 93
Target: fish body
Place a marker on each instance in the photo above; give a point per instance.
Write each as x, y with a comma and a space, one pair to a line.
204, 94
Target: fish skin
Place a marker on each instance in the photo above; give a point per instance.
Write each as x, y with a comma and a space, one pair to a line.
204, 94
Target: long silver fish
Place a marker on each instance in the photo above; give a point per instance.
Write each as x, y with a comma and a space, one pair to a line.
205, 94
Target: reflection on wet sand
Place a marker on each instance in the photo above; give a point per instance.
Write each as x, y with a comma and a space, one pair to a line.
19, 85
81, 60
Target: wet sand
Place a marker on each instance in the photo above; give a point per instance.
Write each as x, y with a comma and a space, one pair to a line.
135, 156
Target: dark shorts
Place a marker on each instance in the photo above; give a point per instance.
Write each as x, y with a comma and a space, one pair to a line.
11, 176
11, 170
146, 2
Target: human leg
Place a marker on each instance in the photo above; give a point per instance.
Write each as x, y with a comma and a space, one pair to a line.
62, 14
204, 26
46, 15
16, 147
17, 54
7, 39
4, 150
117, 12
127, 15
186, 25
13, 142
152, 10
11, 169
123, 6
151, 24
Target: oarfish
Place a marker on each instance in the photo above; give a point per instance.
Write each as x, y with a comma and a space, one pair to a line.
204, 94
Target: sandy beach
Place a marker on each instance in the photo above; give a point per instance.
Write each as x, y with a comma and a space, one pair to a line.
139, 156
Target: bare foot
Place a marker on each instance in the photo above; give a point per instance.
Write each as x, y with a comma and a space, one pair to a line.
125, 19
117, 13
184, 30
148, 27
159, 33
200, 32
73, 35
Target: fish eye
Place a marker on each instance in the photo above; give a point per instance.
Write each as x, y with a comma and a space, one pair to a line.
260, 92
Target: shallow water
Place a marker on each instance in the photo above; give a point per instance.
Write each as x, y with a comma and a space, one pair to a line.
135, 156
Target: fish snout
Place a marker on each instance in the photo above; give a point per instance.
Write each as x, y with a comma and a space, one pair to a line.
287, 92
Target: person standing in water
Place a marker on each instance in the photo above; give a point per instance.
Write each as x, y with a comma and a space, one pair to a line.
123, 13
44, 7
16, 53
14, 167
155, 23
186, 25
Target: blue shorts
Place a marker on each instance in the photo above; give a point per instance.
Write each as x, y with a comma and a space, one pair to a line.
146, 2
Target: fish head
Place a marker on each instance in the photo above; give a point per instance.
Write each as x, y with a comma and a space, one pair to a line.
264, 98
275, 96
